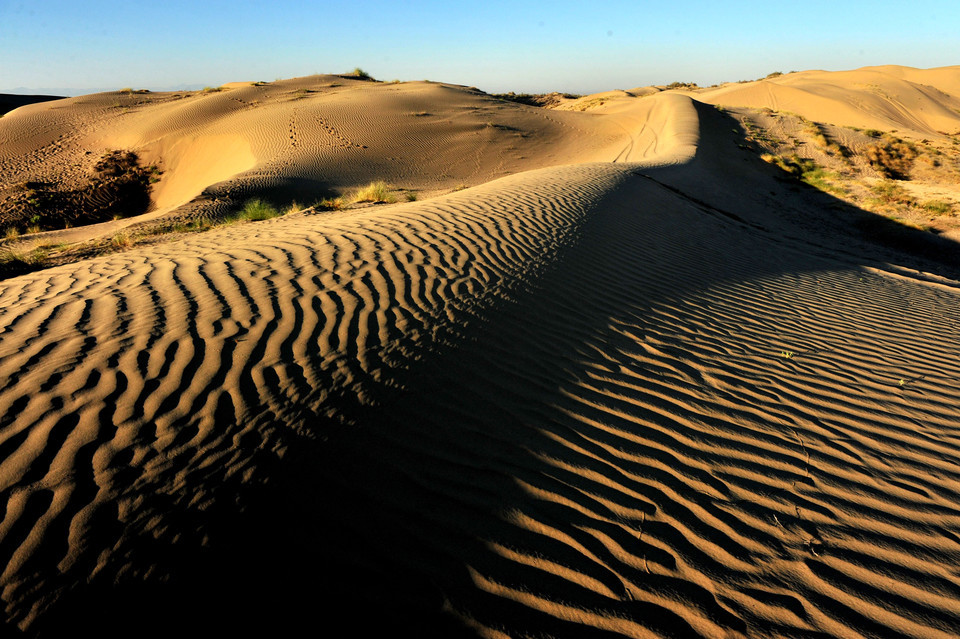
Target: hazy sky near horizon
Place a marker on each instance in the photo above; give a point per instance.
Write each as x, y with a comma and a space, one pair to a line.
580, 47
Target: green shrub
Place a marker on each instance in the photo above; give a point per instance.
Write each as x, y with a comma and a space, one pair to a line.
257, 210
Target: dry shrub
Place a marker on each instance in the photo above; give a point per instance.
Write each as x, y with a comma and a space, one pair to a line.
891, 158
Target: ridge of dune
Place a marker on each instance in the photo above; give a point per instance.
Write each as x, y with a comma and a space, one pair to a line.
317, 134
634, 392
921, 102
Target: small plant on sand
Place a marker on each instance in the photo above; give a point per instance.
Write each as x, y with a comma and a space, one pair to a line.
795, 165
360, 73
17, 256
11, 233
121, 240
683, 85
787, 354
330, 204
378, 191
889, 194
411, 196
892, 158
212, 89
257, 210
938, 207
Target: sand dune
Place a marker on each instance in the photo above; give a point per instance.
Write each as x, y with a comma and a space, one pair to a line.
638, 387
922, 102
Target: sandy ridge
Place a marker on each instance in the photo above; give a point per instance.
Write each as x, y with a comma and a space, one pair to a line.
604, 399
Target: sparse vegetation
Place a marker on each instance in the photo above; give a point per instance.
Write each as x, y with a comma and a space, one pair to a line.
212, 89
890, 194
939, 207
795, 165
411, 196
683, 85
256, 210
536, 99
377, 192
121, 240
891, 157
360, 73
330, 204
118, 187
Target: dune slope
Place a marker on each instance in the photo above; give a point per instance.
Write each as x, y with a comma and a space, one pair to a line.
623, 398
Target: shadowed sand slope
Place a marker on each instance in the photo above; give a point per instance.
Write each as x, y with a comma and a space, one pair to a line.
596, 400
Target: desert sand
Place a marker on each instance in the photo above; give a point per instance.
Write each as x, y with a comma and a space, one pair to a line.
610, 375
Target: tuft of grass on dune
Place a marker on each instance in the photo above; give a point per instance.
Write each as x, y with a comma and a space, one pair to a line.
376, 192
255, 210
360, 74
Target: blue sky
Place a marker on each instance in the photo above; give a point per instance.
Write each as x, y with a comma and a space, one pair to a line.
498, 46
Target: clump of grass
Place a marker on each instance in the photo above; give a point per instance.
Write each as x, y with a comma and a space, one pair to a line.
293, 207
873, 133
820, 179
460, 187
256, 210
795, 166
18, 257
212, 89
330, 204
11, 233
683, 85
121, 240
938, 207
126, 90
775, 74
892, 158
411, 196
807, 171
890, 194
376, 192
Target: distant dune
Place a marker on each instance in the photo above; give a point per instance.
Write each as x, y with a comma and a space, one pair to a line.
609, 373
9, 101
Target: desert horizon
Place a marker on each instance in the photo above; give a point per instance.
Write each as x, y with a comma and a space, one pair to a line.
409, 357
